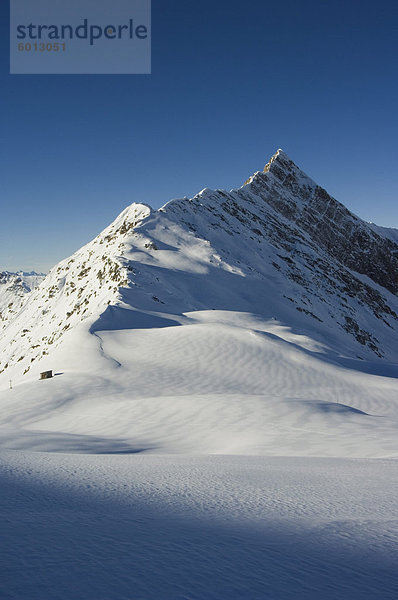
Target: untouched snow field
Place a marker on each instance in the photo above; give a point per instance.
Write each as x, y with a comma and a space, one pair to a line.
137, 527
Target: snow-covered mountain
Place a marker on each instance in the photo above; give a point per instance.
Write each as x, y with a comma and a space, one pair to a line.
279, 247
230, 312
14, 288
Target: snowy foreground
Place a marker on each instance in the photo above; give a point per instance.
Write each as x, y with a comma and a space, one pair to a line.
172, 527
198, 462
226, 457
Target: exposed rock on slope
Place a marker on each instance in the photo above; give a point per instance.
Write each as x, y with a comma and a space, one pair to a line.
327, 222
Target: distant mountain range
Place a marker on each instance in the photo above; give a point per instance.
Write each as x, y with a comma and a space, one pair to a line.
14, 288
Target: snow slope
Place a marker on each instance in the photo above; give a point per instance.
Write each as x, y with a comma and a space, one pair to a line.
220, 383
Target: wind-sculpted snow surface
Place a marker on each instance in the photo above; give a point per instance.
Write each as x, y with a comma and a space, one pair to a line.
200, 528
220, 383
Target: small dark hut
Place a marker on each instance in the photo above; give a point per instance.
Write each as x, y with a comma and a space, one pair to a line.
46, 375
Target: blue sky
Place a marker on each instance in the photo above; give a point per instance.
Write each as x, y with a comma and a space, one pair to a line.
231, 82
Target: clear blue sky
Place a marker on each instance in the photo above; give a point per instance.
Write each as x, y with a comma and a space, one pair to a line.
232, 82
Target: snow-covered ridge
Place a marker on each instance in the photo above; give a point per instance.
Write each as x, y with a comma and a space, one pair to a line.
73, 291
279, 247
388, 232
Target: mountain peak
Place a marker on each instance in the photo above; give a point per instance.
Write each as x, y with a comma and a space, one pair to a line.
279, 164
279, 155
